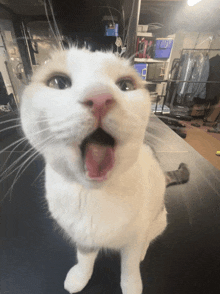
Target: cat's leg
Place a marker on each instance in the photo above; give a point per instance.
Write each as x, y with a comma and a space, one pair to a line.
79, 275
133, 254
157, 227
131, 282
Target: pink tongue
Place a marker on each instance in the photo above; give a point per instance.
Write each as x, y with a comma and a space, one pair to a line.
99, 160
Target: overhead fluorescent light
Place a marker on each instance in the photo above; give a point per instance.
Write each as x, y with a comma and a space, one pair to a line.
193, 2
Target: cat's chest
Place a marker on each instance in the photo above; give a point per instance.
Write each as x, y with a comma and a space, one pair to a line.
91, 217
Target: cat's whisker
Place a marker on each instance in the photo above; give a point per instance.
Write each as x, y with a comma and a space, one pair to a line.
17, 125
38, 176
39, 132
12, 153
9, 120
5, 174
44, 120
19, 119
16, 177
5, 149
22, 156
33, 156
25, 146
50, 120
22, 140
9, 128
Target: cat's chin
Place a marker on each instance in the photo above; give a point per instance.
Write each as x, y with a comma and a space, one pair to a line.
98, 155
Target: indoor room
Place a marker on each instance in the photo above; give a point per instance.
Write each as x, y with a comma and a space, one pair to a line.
109, 146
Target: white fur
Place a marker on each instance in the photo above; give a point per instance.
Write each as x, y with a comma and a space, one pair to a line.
125, 212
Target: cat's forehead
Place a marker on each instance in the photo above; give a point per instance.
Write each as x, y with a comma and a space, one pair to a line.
82, 62
97, 63
97, 59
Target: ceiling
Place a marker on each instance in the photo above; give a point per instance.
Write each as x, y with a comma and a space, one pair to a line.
177, 15
24, 7
86, 14
76, 14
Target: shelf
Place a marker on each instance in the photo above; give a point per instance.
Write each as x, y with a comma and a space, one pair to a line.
142, 34
149, 60
166, 109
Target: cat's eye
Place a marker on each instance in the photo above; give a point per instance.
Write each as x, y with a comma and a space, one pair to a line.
59, 82
126, 85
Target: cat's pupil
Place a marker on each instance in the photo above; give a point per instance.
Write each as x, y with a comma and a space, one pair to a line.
59, 82
126, 85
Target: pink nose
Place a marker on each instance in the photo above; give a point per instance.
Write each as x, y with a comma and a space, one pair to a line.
99, 104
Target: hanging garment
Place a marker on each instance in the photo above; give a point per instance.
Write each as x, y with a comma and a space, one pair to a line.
200, 73
213, 90
186, 65
195, 67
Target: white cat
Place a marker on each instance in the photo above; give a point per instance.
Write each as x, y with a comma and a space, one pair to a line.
87, 113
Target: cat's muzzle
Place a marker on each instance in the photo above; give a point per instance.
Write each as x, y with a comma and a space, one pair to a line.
98, 155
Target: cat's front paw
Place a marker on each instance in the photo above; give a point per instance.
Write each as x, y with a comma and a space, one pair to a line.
76, 279
132, 286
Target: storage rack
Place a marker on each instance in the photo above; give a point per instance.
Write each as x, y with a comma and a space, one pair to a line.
170, 81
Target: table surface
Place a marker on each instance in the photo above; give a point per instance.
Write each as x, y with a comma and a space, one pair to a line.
35, 258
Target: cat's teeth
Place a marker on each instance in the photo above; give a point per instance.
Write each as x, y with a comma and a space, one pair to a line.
87, 173
87, 176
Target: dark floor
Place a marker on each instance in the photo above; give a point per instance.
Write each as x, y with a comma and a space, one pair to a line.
35, 258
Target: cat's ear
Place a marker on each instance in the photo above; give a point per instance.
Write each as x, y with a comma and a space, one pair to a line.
151, 87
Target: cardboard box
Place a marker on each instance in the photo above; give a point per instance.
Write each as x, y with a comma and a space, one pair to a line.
198, 110
213, 113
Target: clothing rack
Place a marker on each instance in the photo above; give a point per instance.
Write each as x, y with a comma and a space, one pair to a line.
182, 81
208, 49
169, 81
176, 80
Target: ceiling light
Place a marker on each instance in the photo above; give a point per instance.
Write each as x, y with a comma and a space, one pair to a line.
193, 2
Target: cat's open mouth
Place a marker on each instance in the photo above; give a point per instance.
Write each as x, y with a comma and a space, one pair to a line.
98, 153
